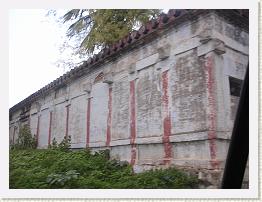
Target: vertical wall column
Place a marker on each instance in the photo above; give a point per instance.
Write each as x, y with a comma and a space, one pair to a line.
37, 130
210, 53
88, 112
67, 120
50, 128
14, 134
29, 121
109, 118
132, 122
166, 119
212, 113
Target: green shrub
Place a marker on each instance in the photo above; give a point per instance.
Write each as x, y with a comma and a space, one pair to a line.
53, 145
64, 145
25, 139
54, 168
59, 180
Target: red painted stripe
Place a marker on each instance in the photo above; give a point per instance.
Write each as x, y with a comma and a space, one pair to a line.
37, 130
88, 122
67, 120
167, 119
212, 110
50, 127
132, 122
109, 118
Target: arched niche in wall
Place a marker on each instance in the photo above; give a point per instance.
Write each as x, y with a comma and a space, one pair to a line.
99, 111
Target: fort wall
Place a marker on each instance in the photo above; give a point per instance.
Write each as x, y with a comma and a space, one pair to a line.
169, 99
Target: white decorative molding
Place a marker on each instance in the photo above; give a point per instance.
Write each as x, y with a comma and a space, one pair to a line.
132, 68
146, 62
87, 87
215, 45
163, 51
108, 78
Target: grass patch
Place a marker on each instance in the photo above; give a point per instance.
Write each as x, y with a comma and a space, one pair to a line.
47, 169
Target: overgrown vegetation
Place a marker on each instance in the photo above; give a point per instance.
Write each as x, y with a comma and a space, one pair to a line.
25, 139
64, 145
60, 167
54, 168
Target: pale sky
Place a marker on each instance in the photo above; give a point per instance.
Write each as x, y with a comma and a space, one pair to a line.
34, 42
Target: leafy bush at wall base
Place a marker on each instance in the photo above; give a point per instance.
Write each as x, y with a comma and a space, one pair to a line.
40, 169
25, 139
64, 145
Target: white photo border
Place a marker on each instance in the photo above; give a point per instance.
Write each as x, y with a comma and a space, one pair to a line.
251, 193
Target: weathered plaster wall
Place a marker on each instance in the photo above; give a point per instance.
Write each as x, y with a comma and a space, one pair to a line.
148, 105
43, 129
120, 117
164, 103
77, 121
59, 121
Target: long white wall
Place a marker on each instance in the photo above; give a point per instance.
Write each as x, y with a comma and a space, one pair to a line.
165, 103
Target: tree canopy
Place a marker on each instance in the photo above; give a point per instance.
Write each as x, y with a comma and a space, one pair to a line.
98, 28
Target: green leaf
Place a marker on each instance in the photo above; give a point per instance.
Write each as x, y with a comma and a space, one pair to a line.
103, 27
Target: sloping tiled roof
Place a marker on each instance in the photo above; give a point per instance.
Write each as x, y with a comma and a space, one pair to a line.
174, 16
